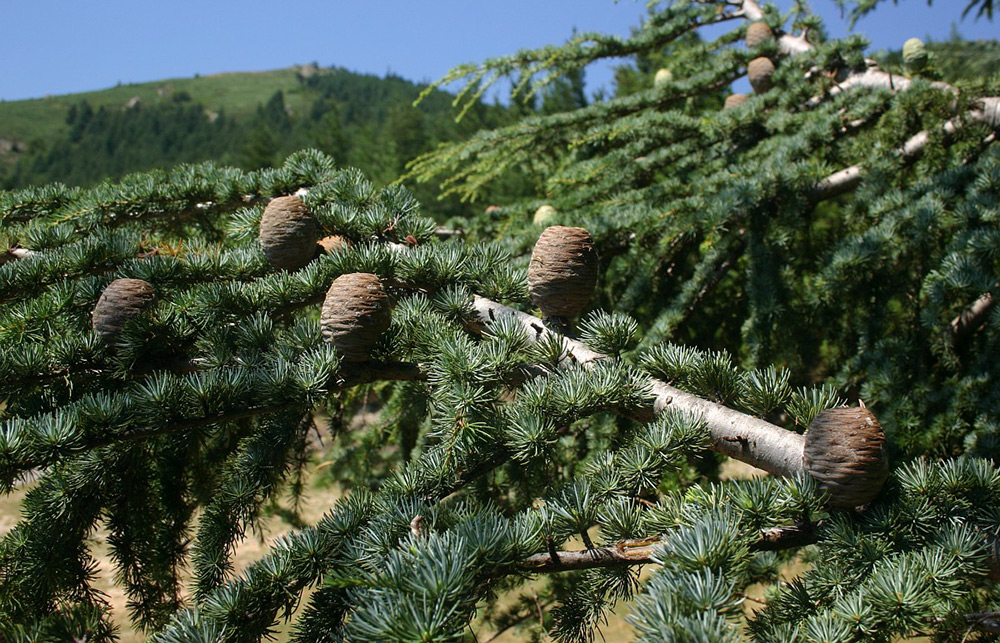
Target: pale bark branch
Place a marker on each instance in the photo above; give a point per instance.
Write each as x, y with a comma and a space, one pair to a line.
849, 178
737, 435
872, 77
13, 254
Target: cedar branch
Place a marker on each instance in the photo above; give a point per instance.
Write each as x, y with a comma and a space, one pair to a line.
737, 435
626, 553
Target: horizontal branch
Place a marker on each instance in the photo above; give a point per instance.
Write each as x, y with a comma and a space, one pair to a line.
355, 375
985, 621
847, 179
872, 77
362, 373
626, 553
737, 435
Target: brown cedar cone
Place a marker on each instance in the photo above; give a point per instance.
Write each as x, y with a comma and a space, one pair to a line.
333, 243
757, 34
122, 300
355, 314
563, 271
760, 70
288, 233
734, 100
845, 453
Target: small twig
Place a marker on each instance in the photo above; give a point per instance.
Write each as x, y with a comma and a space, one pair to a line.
417, 526
626, 553
751, 598
970, 319
539, 606
541, 614
986, 621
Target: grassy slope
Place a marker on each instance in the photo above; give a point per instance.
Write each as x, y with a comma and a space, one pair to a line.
238, 94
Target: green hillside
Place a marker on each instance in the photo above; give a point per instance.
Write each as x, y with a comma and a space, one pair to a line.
238, 94
250, 120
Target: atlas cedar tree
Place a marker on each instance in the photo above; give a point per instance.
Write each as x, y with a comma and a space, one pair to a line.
836, 233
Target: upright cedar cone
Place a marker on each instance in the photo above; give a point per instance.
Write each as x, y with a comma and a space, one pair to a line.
760, 70
122, 300
734, 100
915, 54
355, 313
845, 453
333, 243
288, 233
563, 271
757, 34
662, 77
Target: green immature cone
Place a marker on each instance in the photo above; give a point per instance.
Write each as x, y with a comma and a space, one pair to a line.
122, 300
288, 233
544, 214
355, 314
563, 271
914, 54
662, 77
760, 71
845, 452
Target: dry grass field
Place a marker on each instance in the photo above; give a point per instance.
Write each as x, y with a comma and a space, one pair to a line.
317, 501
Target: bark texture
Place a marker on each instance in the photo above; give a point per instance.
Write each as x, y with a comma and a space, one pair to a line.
972, 317
737, 435
13, 254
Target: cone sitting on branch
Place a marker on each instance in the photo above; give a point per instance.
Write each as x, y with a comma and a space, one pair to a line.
333, 243
845, 451
760, 71
563, 271
734, 100
122, 300
288, 233
355, 313
757, 34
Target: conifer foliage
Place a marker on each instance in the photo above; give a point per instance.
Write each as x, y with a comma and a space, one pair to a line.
836, 232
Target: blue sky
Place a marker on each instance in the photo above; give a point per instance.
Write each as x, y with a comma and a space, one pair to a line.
59, 46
